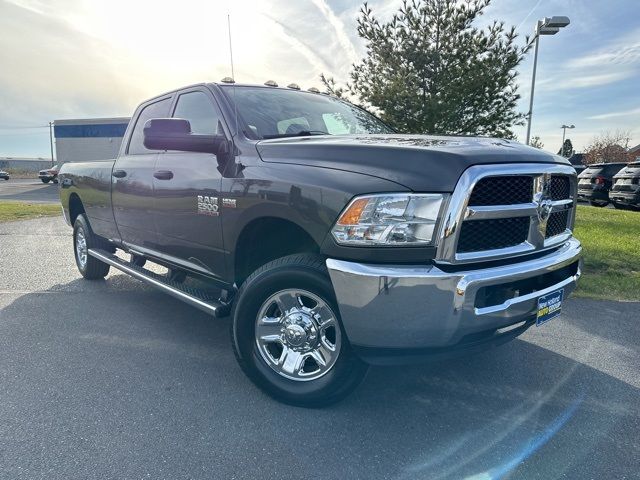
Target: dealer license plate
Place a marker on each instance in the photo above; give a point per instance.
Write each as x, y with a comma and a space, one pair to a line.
549, 306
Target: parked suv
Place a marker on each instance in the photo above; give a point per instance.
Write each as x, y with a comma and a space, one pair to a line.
626, 188
596, 181
49, 174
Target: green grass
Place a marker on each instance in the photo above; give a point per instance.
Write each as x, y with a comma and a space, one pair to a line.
10, 211
611, 242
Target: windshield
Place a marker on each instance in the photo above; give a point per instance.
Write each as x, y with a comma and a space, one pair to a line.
266, 112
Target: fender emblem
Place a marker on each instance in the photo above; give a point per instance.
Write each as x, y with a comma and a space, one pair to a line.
208, 205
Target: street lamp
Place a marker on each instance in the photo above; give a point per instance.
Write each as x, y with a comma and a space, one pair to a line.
545, 26
564, 133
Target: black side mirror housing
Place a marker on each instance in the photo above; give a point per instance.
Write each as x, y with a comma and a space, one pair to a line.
175, 134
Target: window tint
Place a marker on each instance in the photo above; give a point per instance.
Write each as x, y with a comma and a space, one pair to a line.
293, 125
613, 169
198, 109
155, 110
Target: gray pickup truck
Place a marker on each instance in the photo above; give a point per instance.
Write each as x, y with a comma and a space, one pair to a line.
331, 241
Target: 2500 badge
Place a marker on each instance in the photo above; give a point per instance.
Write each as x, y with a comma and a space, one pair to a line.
208, 205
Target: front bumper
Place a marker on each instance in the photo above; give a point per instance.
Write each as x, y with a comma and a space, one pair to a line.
399, 307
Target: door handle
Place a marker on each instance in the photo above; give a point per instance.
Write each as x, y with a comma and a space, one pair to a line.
119, 173
163, 175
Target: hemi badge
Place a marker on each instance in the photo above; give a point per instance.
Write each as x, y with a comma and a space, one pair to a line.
229, 202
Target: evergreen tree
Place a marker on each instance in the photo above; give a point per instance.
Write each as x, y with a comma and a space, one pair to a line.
567, 149
536, 142
430, 69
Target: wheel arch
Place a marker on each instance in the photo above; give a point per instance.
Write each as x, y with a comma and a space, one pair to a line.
265, 239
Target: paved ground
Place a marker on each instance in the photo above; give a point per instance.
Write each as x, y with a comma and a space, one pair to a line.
114, 380
28, 190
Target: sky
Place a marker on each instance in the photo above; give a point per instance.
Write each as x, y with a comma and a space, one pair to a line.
91, 58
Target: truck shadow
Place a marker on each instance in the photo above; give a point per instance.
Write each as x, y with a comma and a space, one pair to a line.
119, 351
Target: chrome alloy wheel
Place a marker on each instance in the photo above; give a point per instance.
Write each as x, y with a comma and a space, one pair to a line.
81, 248
298, 335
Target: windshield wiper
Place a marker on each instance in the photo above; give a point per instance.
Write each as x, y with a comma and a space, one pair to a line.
302, 133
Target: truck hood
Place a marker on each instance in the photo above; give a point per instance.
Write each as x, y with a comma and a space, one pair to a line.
419, 162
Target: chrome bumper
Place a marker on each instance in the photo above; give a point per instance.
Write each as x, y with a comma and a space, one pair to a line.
413, 307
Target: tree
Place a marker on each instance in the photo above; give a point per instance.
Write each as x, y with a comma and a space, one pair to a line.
536, 142
567, 149
608, 147
431, 70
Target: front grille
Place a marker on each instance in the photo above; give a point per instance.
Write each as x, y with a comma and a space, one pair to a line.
557, 223
497, 212
559, 188
502, 191
479, 235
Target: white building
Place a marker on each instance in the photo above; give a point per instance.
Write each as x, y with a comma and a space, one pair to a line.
88, 138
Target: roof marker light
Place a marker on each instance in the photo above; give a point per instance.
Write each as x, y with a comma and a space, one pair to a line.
314, 90
293, 86
228, 80
270, 83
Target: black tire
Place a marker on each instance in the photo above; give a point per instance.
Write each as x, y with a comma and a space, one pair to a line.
92, 269
55, 180
300, 271
44, 180
619, 206
598, 204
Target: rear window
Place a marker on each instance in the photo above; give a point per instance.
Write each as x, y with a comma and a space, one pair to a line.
591, 171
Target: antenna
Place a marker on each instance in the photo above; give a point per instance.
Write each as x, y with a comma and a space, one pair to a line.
233, 76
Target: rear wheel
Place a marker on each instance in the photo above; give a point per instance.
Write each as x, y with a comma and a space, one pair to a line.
83, 239
619, 206
287, 335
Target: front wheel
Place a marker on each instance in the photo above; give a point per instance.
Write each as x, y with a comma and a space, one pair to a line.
287, 335
45, 180
83, 239
598, 204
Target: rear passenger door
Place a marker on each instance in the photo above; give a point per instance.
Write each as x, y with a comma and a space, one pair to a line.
132, 180
187, 191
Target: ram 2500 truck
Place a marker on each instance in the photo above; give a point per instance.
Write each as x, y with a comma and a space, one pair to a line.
332, 241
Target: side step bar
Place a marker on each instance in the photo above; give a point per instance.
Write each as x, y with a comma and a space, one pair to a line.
204, 300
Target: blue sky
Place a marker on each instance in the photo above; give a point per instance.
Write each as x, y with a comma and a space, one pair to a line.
83, 58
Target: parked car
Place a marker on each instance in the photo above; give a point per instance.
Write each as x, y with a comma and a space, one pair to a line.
595, 182
625, 192
4, 175
332, 241
49, 174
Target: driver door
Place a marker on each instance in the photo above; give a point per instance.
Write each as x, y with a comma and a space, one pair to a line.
186, 188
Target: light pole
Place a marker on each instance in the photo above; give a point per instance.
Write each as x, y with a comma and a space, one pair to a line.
564, 133
546, 26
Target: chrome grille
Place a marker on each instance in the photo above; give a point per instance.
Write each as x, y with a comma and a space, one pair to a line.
500, 211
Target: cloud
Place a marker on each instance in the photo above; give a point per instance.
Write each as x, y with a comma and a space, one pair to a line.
338, 26
624, 113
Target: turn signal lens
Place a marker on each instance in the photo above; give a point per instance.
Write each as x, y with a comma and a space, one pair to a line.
352, 214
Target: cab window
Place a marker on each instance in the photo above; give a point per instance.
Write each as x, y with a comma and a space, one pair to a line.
154, 110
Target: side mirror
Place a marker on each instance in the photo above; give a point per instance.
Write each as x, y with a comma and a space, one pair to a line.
175, 134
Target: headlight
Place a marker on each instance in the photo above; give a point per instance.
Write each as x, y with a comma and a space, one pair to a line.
399, 219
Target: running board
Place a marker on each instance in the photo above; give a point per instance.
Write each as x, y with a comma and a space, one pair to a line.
202, 299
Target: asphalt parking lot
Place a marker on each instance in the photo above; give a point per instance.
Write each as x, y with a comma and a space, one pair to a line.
112, 379
28, 190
